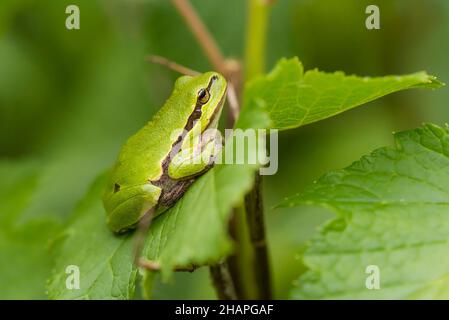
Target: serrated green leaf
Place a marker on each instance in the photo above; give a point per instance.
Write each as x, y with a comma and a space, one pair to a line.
105, 260
24, 259
393, 212
288, 98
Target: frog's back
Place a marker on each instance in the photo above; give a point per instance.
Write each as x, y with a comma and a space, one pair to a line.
140, 159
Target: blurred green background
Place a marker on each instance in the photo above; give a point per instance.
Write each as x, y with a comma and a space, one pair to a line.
70, 98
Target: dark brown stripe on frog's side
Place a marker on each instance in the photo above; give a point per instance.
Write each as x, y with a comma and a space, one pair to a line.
172, 190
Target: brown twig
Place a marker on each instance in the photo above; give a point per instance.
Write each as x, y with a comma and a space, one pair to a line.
172, 65
232, 92
149, 265
202, 35
222, 280
233, 102
230, 68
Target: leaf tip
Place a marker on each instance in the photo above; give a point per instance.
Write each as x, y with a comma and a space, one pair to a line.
429, 81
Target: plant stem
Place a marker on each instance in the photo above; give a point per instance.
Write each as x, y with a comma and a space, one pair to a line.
230, 68
172, 65
222, 281
255, 65
258, 11
241, 261
256, 226
202, 34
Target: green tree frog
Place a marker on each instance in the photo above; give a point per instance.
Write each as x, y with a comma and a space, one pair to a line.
154, 168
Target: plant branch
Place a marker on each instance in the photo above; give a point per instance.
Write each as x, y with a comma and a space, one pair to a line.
256, 226
233, 101
202, 35
230, 68
172, 65
254, 65
222, 281
232, 92
258, 11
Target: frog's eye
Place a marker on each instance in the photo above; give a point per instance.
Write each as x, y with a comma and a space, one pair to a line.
116, 188
203, 96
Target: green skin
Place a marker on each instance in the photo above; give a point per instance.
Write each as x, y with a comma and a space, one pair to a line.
144, 178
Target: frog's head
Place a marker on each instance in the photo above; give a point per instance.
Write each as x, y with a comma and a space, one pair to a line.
206, 93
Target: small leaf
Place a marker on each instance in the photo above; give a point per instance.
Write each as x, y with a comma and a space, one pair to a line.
392, 212
288, 98
104, 260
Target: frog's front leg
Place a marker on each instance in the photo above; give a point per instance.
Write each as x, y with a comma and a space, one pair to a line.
195, 160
